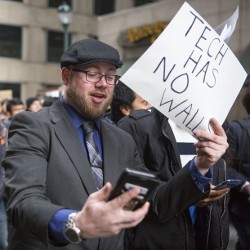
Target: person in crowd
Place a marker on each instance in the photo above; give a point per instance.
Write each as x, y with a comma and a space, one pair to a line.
62, 162
33, 104
48, 101
4, 109
3, 216
13, 107
53, 174
239, 206
205, 225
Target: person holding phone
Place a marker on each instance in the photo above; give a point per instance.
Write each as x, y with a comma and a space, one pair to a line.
173, 221
239, 160
62, 161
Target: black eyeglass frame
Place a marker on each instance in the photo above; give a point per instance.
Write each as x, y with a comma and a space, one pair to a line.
116, 77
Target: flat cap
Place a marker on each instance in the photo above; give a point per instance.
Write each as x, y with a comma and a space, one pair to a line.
90, 50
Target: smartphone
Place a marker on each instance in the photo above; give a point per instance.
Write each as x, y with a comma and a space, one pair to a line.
230, 183
146, 182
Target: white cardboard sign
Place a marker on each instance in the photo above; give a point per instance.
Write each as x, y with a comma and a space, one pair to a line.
189, 73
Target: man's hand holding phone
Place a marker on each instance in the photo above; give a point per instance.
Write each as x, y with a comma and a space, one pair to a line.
230, 183
131, 179
99, 218
214, 195
219, 191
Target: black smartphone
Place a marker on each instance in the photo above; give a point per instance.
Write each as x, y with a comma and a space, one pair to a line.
230, 183
129, 179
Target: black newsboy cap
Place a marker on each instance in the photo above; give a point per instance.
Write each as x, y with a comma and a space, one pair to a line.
90, 50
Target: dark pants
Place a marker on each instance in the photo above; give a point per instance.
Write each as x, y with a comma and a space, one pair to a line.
240, 218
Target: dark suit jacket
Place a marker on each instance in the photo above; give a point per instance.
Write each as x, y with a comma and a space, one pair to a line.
47, 170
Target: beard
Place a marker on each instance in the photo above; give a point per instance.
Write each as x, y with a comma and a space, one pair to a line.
89, 111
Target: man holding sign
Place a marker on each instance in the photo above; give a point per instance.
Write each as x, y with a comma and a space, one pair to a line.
191, 226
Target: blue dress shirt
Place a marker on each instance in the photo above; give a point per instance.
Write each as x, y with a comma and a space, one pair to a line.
201, 181
58, 222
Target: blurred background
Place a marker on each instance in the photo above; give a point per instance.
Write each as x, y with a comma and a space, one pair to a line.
34, 34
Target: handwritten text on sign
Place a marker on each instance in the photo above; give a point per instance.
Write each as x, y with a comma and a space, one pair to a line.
189, 73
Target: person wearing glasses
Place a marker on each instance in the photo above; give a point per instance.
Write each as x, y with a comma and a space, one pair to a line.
62, 162
53, 201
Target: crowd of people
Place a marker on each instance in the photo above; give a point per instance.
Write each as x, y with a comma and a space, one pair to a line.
61, 164
8, 109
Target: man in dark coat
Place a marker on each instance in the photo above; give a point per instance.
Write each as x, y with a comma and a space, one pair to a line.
239, 206
53, 175
183, 226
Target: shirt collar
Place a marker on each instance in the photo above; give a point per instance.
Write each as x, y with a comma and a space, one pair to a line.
74, 115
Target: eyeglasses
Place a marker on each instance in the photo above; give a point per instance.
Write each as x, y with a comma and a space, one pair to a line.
96, 77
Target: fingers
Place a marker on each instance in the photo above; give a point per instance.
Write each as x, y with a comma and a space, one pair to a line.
103, 193
217, 128
125, 198
212, 145
218, 132
99, 218
135, 217
129, 218
120, 201
217, 193
214, 196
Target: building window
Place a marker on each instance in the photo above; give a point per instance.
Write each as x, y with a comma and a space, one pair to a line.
56, 3
142, 2
10, 41
104, 7
55, 45
14, 87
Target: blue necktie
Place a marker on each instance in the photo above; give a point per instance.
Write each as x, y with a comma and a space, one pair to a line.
93, 152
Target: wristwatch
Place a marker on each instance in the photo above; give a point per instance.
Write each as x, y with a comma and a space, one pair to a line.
72, 232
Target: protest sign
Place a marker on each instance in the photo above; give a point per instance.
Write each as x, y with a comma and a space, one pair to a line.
189, 73
185, 143
226, 29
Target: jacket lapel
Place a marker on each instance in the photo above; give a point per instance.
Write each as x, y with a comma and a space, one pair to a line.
68, 137
111, 166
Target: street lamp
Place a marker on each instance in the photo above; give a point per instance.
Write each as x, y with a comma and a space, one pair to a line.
65, 16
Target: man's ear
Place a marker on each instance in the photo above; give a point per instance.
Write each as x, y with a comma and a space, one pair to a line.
125, 109
65, 74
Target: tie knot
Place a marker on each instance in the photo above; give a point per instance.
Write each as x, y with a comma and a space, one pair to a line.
88, 127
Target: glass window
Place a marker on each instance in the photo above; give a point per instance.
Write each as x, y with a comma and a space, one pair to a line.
52, 90
104, 7
10, 41
142, 2
56, 3
15, 87
50, 86
55, 45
